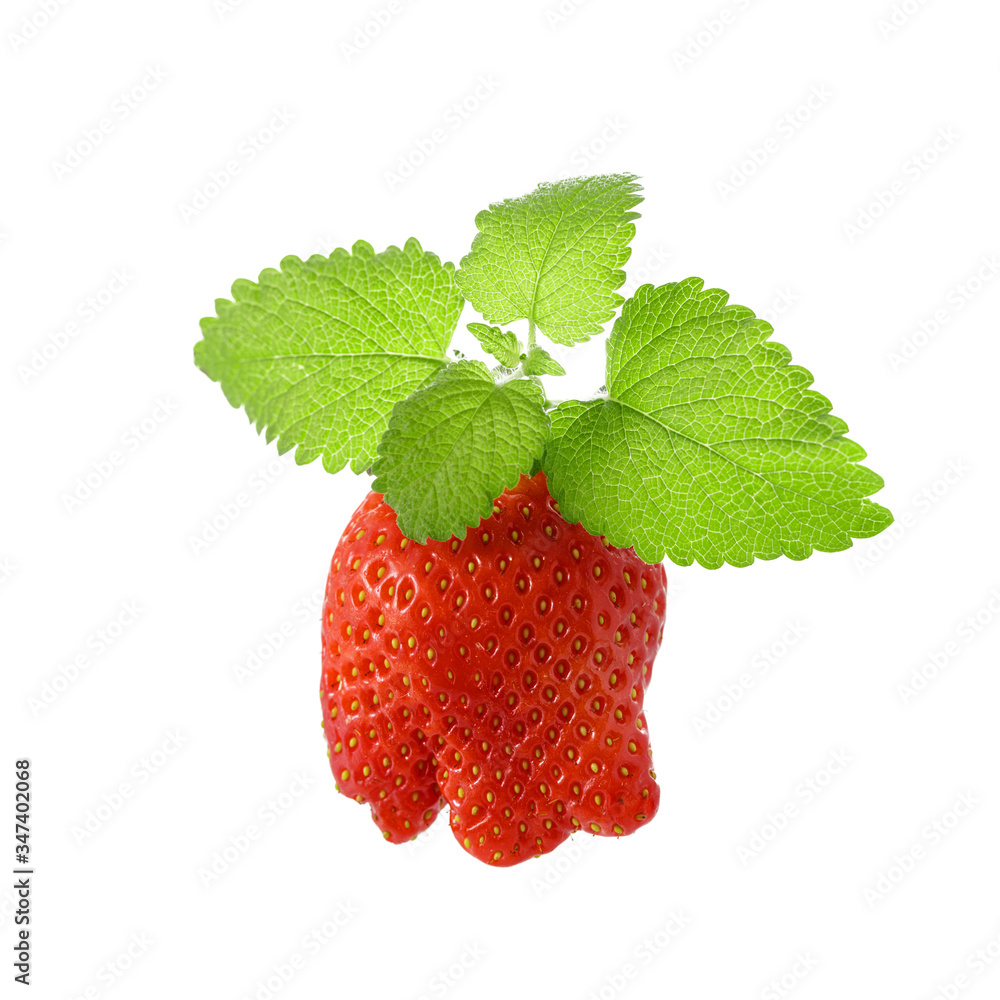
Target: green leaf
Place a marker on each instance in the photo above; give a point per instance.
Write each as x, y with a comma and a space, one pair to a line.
540, 362
320, 351
453, 447
505, 347
710, 445
554, 257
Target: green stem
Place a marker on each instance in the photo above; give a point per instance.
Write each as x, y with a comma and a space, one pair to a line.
531, 334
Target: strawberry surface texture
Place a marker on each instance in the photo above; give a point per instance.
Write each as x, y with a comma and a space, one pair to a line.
501, 674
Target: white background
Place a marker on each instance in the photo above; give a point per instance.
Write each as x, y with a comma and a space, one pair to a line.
599, 90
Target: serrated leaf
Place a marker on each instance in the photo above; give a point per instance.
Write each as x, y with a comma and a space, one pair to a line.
539, 362
555, 256
318, 352
710, 445
453, 447
505, 347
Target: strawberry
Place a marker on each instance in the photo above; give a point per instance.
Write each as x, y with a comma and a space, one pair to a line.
501, 673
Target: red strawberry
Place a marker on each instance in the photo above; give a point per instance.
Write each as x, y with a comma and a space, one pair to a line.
502, 673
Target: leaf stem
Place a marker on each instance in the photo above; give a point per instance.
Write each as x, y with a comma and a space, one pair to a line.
531, 334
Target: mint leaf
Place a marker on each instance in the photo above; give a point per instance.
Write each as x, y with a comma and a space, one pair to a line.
539, 362
505, 347
710, 445
454, 446
318, 352
554, 257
